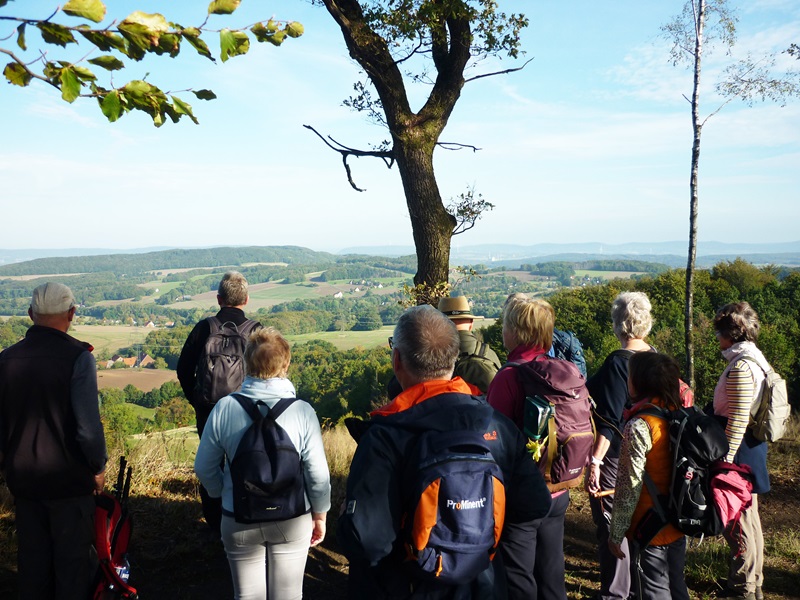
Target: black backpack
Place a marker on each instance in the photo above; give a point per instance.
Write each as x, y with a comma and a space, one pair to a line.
567, 346
220, 369
697, 440
266, 471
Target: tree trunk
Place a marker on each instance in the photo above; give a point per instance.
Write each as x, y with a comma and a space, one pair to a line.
431, 224
697, 127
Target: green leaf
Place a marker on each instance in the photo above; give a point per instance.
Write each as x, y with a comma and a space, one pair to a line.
276, 39
56, 34
70, 85
3, 3
154, 22
94, 10
232, 43
183, 108
295, 29
17, 74
205, 95
111, 106
108, 62
260, 32
104, 40
198, 44
223, 7
169, 43
21, 37
83, 74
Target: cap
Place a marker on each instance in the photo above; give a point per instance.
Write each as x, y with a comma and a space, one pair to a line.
52, 299
456, 307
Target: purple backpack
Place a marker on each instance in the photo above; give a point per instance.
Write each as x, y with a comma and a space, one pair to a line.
558, 414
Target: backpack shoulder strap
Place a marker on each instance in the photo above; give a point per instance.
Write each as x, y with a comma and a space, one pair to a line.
214, 324
249, 407
248, 327
280, 406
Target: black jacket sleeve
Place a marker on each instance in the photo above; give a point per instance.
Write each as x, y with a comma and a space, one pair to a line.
609, 389
190, 355
373, 507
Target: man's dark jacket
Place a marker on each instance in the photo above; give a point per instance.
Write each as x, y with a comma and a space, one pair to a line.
368, 530
52, 443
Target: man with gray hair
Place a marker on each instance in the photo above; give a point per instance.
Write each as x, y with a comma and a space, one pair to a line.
52, 448
211, 366
385, 468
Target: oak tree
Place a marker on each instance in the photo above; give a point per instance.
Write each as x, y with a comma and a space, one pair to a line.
433, 43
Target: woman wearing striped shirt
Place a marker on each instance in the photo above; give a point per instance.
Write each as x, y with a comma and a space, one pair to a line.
737, 393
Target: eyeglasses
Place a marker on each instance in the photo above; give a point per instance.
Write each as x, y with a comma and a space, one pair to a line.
390, 344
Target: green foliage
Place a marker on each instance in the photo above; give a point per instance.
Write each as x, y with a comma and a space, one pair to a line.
338, 383
166, 344
133, 37
13, 330
176, 412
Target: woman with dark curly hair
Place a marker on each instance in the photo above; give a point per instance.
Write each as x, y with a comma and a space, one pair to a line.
737, 394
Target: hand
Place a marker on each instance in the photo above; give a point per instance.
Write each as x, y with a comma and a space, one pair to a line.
99, 482
318, 532
616, 550
593, 479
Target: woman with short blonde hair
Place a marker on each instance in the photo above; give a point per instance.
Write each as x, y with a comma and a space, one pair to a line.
533, 552
267, 559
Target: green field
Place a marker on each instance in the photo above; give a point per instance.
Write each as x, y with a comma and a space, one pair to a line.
606, 274
107, 339
345, 340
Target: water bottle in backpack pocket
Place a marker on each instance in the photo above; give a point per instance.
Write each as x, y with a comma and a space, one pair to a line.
455, 512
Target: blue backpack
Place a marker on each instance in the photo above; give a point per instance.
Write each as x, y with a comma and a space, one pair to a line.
567, 346
266, 470
456, 510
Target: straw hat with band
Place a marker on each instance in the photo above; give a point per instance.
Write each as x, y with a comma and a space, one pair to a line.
456, 307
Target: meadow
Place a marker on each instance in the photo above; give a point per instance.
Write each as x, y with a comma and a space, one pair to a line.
108, 339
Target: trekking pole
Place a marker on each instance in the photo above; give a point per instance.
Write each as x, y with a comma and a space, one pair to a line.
127, 489
603, 493
120, 478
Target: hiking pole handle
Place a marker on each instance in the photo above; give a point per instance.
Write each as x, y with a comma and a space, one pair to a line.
603, 493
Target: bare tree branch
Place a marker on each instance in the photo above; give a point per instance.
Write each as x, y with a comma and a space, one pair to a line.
387, 156
506, 72
456, 146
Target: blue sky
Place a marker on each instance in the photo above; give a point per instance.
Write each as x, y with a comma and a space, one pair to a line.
590, 142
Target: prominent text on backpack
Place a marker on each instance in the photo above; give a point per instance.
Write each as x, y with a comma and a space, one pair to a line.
266, 470
456, 509
220, 369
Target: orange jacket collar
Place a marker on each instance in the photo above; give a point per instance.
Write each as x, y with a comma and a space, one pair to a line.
422, 391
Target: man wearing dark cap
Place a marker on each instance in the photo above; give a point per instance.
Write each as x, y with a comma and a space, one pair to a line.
477, 362
52, 448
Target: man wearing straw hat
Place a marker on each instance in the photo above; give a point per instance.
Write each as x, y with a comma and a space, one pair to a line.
477, 362
52, 448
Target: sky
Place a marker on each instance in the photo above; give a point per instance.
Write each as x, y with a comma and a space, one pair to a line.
590, 142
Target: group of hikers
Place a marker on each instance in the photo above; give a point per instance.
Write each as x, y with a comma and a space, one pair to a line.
459, 485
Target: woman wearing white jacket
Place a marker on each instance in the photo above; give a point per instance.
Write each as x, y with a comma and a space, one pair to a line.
268, 556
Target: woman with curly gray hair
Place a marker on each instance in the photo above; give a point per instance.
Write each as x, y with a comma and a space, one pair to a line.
632, 321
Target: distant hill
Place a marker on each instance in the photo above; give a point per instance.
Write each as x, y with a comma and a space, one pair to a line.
8, 255
168, 259
671, 260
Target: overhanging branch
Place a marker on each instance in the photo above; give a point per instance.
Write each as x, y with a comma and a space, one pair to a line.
387, 156
505, 72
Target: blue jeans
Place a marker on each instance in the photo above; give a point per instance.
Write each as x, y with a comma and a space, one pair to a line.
267, 555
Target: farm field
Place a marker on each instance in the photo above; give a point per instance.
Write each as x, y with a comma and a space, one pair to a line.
345, 340
143, 379
606, 275
108, 339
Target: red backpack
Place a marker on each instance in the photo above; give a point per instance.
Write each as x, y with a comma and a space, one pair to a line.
558, 416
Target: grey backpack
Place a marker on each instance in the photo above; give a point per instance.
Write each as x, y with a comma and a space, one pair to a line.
769, 416
220, 369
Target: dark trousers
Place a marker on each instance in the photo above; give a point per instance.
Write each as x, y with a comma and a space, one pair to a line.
55, 557
615, 574
212, 507
657, 571
533, 555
